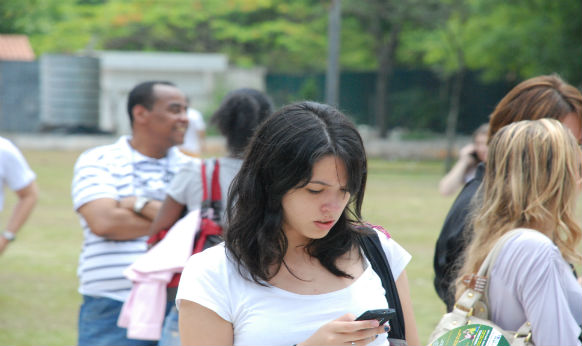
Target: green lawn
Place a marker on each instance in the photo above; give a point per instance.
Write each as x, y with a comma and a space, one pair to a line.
38, 285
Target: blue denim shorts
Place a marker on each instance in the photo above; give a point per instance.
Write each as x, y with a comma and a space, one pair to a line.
170, 332
98, 324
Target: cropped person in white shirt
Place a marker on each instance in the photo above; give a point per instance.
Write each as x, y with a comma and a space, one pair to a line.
291, 270
532, 180
17, 175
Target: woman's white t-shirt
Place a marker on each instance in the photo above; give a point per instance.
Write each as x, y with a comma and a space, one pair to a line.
271, 316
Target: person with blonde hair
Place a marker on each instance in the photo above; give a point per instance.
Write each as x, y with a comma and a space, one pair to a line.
540, 97
531, 182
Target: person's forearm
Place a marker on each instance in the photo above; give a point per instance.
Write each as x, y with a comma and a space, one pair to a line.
26, 201
168, 214
116, 220
406, 302
151, 209
454, 179
121, 224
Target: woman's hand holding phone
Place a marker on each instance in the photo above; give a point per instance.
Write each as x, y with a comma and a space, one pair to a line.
381, 315
346, 331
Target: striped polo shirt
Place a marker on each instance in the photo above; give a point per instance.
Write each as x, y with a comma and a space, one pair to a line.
116, 171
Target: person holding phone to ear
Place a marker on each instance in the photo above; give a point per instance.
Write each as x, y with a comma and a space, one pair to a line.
291, 270
469, 158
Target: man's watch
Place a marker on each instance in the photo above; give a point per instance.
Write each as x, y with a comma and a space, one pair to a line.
139, 204
8, 235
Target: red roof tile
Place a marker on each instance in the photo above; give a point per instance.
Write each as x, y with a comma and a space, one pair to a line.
15, 47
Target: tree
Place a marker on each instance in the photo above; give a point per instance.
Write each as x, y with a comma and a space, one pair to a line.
286, 36
502, 40
383, 21
521, 39
333, 38
31, 17
443, 49
508, 40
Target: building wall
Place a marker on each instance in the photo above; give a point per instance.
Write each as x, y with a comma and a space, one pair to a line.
200, 76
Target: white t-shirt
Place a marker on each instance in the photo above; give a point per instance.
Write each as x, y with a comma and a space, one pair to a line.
14, 170
531, 281
195, 124
272, 316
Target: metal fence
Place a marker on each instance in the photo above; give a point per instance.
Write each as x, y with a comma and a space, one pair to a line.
19, 96
417, 99
69, 88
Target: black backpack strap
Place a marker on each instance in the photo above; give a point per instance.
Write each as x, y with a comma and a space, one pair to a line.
370, 243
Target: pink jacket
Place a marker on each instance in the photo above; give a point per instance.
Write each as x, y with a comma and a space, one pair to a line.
143, 312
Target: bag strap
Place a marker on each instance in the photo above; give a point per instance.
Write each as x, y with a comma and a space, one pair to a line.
211, 205
489, 261
216, 192
372, 248
466, 303
204, 184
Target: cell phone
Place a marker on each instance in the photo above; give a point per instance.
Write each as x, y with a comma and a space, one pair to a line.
474, 155
382, 315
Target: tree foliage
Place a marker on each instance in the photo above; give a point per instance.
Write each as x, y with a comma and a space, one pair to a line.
511, 40
520, 39
281, 35
500, 40
32, 17
384, 21
504, 40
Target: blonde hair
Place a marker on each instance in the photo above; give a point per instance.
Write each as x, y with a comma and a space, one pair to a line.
531, 180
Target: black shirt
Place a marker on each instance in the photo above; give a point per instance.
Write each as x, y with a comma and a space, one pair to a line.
453, 239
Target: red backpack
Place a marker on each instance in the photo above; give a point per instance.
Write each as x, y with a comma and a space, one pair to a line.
210, 232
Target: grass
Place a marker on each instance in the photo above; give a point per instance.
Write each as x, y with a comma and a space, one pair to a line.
38, 291
38, 294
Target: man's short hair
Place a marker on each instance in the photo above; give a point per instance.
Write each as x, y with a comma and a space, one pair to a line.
143, 94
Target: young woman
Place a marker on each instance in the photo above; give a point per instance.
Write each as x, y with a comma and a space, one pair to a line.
291, 270
532, 180
238, 116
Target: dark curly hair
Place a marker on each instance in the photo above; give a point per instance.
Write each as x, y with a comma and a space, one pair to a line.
240, 112
279, 158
